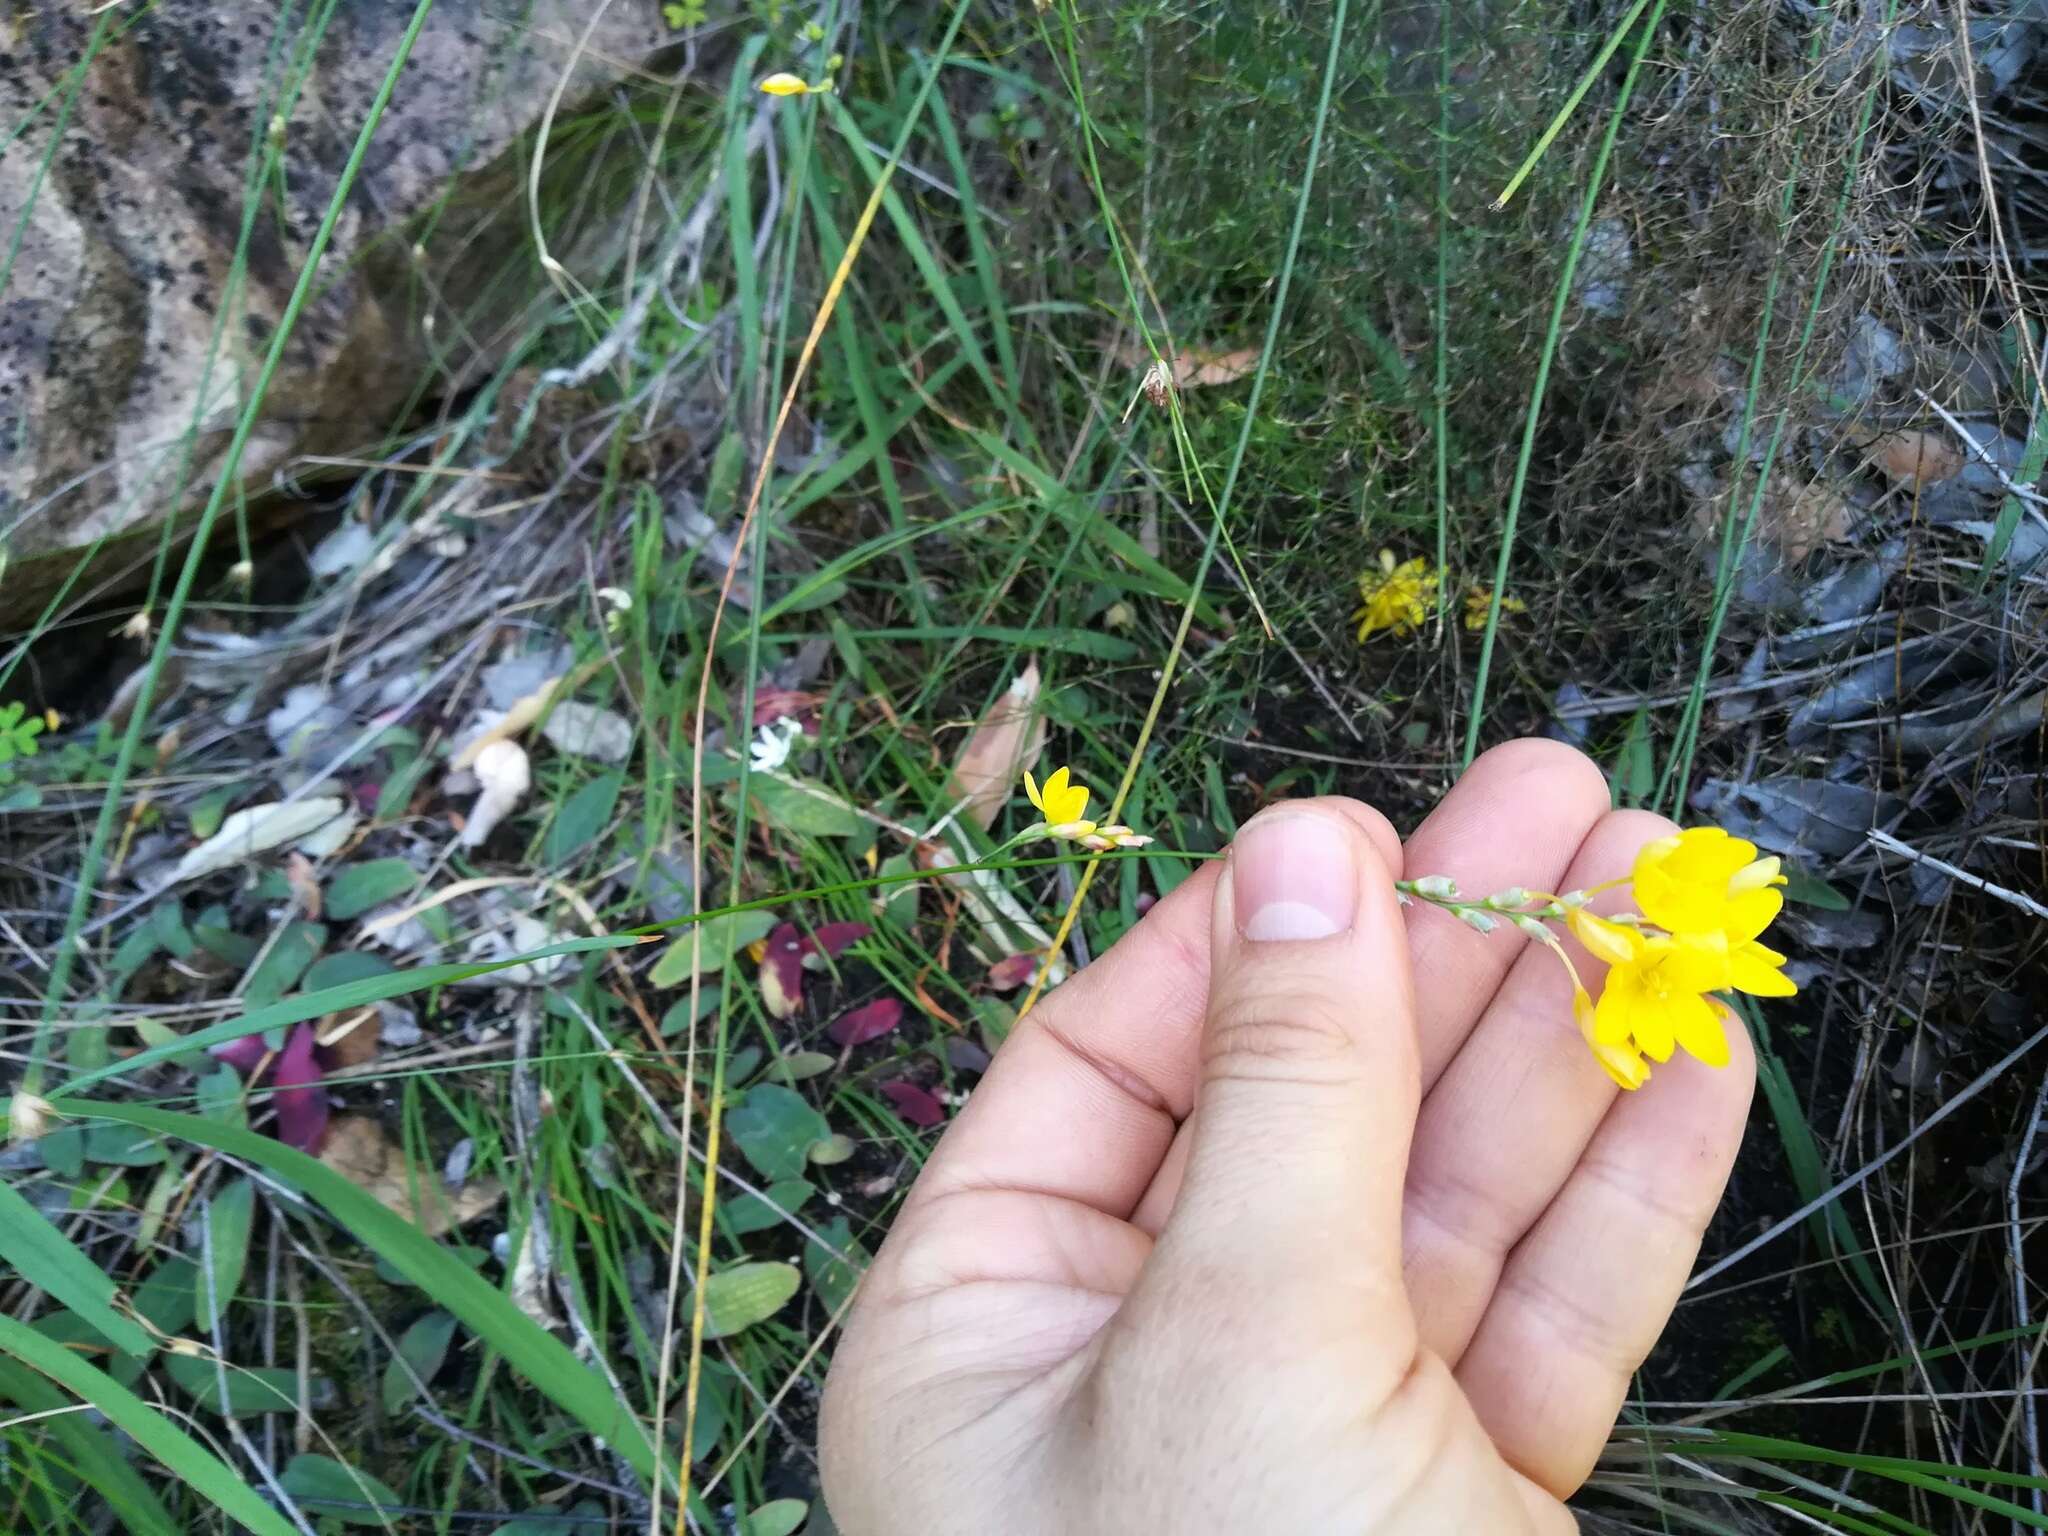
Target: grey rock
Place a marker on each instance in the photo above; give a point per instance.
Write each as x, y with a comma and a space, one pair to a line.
128, 236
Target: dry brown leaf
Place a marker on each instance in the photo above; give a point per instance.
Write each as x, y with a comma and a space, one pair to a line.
1914, 457
349, 1039
358, 1149
298, 874
1197, 367
1796, 518
1799, 517
999, 751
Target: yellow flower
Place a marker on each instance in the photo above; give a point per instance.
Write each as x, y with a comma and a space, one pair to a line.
1704, 880
1655, 994
1478, 600
785, 84
1063, 804
1395, 597
1622, 1062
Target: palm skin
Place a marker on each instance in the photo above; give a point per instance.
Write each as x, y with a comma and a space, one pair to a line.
1246, 1231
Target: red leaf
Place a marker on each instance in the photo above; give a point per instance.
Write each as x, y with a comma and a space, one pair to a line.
914, 1104
244, 1055
832, 938
871, 1022
301, 1101
1012, 971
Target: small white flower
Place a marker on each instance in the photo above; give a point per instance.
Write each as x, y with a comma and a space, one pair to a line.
772, 747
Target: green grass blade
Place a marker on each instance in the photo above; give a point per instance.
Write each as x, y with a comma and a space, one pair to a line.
93, 1453
198, 1467
1537, 391
527, 1347
49, 1260
1571, 104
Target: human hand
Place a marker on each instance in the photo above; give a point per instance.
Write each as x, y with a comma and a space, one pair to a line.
1244, 1231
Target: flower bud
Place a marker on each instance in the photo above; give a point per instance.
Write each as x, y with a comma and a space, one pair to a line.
1478, 921
1513, 896
1531, 926
1435, 887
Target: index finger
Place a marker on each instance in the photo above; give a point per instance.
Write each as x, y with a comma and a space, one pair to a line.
1082, 1101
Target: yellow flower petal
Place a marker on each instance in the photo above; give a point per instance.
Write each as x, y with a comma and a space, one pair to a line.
784, 84
1754, 968
1704, 1035
1757, 874
1624, 1064
1614, 943
1750, 912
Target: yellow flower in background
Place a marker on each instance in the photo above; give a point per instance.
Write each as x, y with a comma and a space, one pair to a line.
1063, 804
786, 84
1396, 597
1705, 880
1478, 600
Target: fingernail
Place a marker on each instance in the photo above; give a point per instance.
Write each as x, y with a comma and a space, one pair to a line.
1291, 878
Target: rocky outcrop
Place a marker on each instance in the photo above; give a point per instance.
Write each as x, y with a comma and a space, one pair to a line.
126, 347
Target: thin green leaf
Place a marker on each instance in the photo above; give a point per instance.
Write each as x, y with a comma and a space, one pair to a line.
156, 1434
483, 1309
90, 1450
49, 1260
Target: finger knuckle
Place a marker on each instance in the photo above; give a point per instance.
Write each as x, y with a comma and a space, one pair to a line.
1282, 1034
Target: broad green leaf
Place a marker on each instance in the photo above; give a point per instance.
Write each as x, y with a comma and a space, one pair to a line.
155, 1433
1811, 891
252, 1389
89, 1449
343, 967
360, 887
122, 1146
423, 1346
334, 1490
798, 1065
218, 1096
69, 1329
297, 947
63, 1151
774, 1127
165, 1300
582, 816
829, 1151
797, 805
484, 1309
751, 1213
778, 1517
586, 1517
735, 1299
722, 938
225, 1219
834, 1277
49, 1260
396, 794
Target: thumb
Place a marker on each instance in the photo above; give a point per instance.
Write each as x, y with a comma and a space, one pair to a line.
1310, 1076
